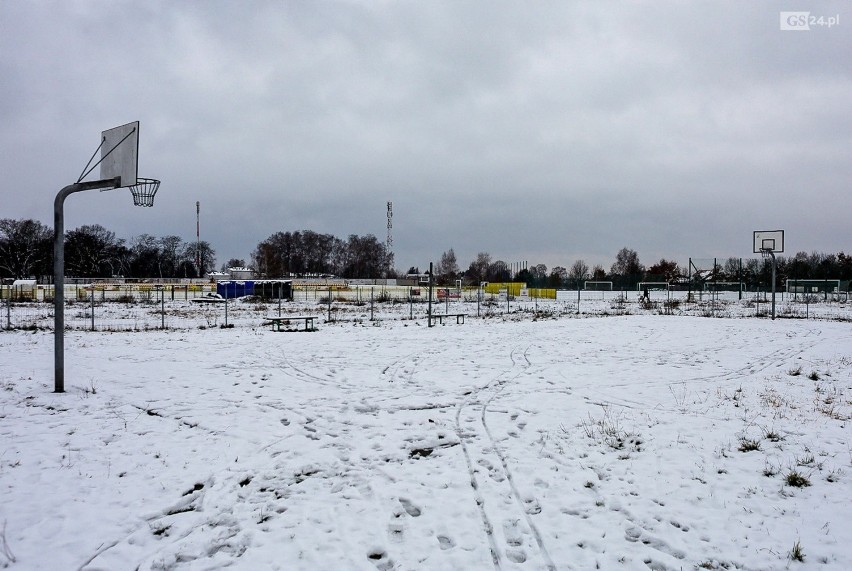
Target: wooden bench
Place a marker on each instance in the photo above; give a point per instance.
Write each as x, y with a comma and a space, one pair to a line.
278, 321
439, 318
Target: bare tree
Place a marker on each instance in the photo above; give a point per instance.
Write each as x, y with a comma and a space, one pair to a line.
448, 267
627, 263
538, 273
579, 272
201, 251
499, 272
665, 270
25, 248
558, 277
93, 251
478, 269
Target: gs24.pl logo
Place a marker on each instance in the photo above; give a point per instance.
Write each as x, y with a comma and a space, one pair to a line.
804, 21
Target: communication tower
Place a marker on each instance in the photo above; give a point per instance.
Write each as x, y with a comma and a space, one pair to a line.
198, 237
389, 243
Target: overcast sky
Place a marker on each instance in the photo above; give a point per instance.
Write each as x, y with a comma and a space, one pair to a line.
539, 131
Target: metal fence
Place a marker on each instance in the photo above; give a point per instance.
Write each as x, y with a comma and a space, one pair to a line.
107, 292
161, 311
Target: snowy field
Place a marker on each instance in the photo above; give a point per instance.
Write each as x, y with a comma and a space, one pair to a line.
619, 442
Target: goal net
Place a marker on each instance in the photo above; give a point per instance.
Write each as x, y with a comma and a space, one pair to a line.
653, 286
724, 286
813, 286
597, 286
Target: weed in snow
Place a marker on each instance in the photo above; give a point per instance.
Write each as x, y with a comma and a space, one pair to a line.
608, 430
797, 479
747, 445
796, 554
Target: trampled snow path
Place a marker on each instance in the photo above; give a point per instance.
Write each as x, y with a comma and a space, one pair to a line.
609, 443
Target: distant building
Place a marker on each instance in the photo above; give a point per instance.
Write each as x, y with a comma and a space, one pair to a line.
241, 273
232, 274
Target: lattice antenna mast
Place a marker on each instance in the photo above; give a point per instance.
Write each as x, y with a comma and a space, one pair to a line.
198, 236
389, 243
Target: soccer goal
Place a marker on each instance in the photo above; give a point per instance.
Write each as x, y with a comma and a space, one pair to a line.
653, 286
812, 286
724, 286
597, 286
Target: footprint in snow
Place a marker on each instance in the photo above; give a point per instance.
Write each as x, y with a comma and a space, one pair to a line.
512, 532
410, 508
380, 559
516, 555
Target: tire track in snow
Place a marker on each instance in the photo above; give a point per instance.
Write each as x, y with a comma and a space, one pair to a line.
519, 502
485, 395
757, 364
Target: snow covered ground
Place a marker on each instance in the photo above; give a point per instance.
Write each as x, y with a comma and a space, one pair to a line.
618, 442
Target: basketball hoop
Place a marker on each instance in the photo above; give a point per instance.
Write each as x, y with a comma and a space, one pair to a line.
143, 191
766, 252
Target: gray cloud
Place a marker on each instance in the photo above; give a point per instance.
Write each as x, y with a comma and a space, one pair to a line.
543, 132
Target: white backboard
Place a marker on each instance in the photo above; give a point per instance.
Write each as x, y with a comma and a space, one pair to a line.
120, 153
769, 240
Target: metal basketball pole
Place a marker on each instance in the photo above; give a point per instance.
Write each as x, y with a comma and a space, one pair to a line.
768, 252
59, 273
772, 254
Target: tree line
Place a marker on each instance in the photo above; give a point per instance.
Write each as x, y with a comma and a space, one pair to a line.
26, 250
303, 253
92, 251
627, 271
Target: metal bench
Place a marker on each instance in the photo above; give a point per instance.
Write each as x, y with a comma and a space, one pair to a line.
439, 318
278, 321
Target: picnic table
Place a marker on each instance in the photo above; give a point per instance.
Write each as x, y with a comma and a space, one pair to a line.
277, 321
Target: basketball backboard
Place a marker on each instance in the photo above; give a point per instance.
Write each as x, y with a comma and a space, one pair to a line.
772, 240
120, 153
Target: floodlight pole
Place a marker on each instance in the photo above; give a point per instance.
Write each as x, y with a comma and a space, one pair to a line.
59, 273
